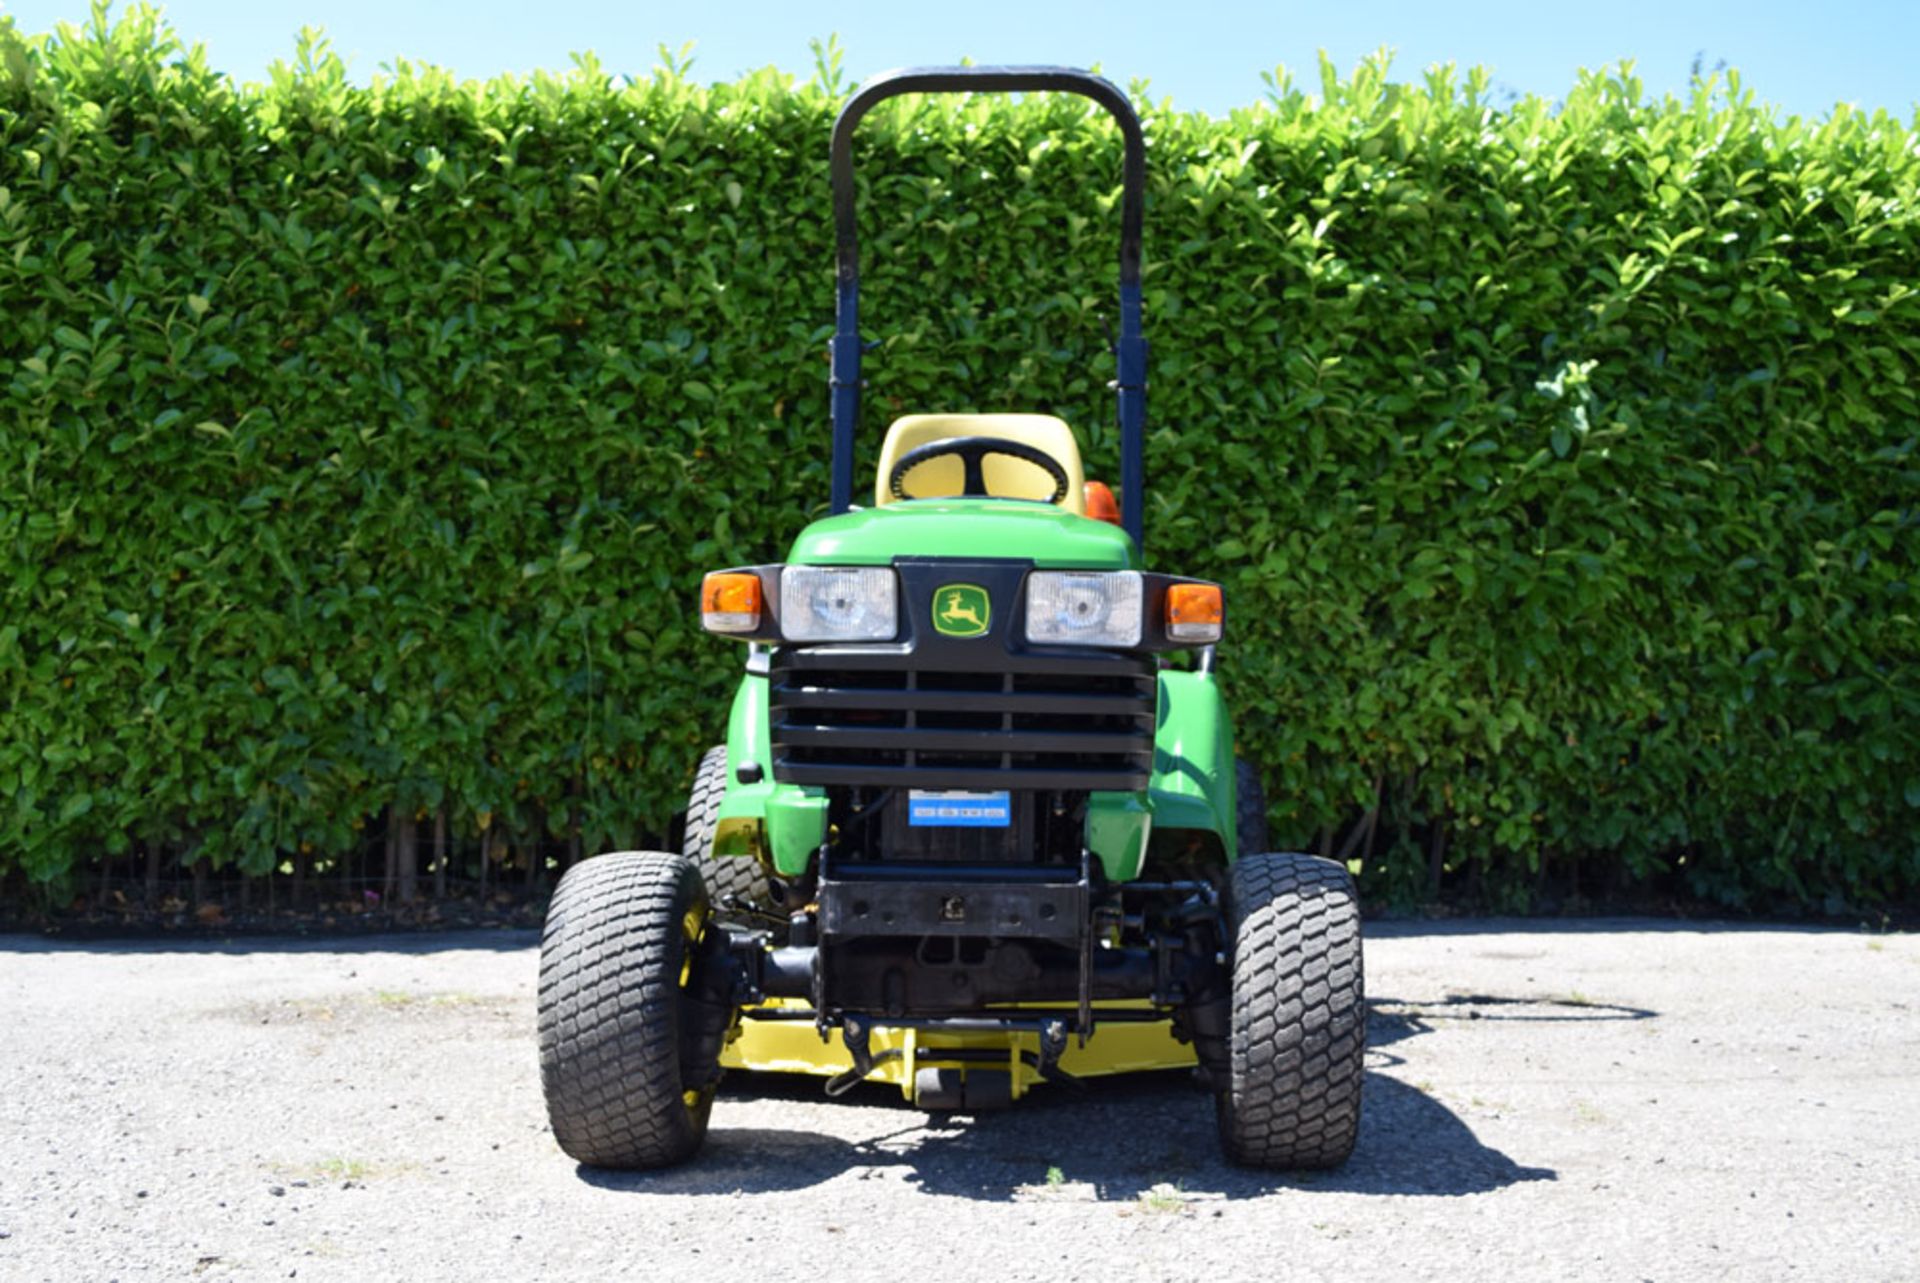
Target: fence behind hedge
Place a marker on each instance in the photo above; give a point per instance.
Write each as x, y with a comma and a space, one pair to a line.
361, 448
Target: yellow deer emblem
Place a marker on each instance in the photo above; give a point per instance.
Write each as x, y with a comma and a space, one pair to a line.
963, 612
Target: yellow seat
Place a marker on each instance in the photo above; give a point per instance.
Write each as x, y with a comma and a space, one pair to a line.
1006, 477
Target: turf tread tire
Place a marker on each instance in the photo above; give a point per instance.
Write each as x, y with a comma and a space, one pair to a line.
1298, 1037
1250, 807
611, 959
731, 879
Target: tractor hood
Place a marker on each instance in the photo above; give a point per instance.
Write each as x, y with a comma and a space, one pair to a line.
967, 528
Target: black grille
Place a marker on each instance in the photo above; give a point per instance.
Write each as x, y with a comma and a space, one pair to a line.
1057, 723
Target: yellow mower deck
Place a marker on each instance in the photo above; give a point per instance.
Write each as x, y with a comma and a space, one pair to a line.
795, 1047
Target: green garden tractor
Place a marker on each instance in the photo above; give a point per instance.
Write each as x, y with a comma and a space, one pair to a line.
977, 825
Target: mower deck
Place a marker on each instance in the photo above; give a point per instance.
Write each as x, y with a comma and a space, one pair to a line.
903, 1056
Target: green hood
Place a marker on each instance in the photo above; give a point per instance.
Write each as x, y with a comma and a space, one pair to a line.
966, 528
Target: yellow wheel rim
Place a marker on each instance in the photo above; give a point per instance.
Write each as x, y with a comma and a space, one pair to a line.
692, 927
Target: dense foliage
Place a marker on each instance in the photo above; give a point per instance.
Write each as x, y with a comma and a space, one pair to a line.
363, 446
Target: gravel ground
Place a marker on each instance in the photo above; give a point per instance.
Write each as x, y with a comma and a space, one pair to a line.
1605, 1099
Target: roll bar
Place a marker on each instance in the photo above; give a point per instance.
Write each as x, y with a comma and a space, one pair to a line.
1130, 349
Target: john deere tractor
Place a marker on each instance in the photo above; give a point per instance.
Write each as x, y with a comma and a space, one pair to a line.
977, 825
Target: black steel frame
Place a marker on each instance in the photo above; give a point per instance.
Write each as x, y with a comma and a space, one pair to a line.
1130, 349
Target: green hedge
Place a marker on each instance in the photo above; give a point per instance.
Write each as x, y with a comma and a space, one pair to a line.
364, 446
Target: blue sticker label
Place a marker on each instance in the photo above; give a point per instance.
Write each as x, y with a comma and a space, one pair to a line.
959, 810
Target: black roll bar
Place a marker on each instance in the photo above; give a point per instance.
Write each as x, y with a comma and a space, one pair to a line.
1130, 349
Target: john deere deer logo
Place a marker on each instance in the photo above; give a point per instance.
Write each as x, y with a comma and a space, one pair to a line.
961, 610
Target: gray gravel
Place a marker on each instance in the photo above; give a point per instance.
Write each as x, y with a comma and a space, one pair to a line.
1603, 1099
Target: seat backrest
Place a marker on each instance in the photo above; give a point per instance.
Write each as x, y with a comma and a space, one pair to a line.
1005, 476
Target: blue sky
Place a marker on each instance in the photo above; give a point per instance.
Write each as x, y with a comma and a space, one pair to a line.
1801, 56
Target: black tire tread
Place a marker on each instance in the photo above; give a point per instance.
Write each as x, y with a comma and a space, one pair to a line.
731, 879
1250, 807
1299, 1025
609, 1011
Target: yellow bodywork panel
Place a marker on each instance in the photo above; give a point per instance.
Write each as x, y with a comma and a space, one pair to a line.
795, 1047
1005, 476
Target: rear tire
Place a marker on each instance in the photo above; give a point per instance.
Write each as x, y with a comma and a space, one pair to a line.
734, 882
625, 1083
1299, 1021
1250, 808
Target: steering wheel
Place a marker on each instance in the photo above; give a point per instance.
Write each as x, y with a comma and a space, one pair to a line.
971, 451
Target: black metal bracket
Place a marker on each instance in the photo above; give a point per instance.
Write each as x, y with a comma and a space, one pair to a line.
1004, 910
854, 1033
1084, 1007
1053, 1045
745, 960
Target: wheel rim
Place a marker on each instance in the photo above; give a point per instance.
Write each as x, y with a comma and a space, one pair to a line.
693, 926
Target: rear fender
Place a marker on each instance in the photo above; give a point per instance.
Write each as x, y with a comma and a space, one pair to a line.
1192, 790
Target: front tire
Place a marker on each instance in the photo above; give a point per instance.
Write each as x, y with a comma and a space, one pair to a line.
1299, 1023
623, 1061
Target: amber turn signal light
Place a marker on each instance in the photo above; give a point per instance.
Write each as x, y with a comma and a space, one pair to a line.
1101, 505
1193, 612
730, 602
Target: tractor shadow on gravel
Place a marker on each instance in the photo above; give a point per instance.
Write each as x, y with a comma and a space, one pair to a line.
1146, 1140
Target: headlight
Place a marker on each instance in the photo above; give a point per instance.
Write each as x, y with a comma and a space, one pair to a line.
1084, 609
832, 603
